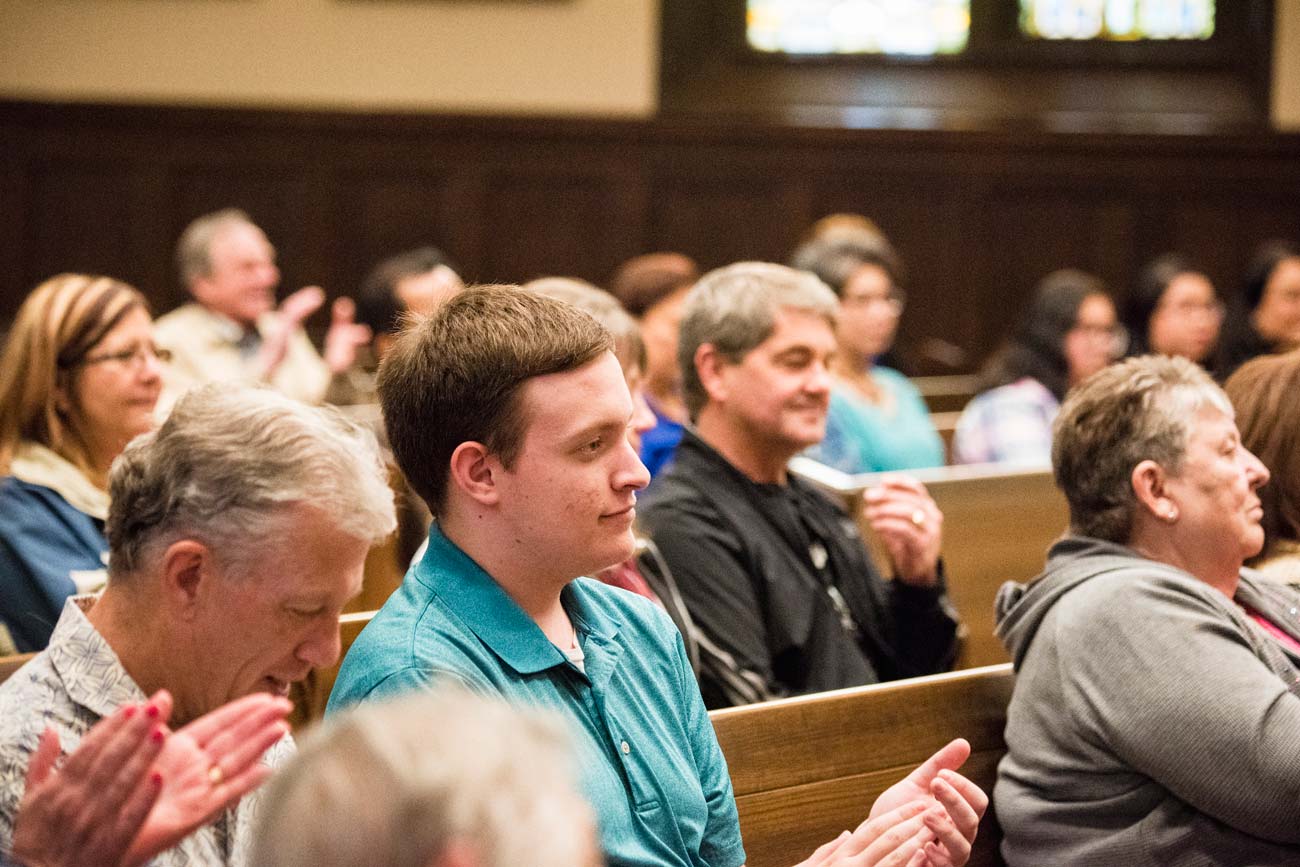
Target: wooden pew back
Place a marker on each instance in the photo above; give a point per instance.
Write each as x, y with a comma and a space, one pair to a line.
11, 663
806, 768
946, 393
997, 527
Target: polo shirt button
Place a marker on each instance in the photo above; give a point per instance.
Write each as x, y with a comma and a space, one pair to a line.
626, 749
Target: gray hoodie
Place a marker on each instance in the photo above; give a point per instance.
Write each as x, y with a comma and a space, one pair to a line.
1153, 722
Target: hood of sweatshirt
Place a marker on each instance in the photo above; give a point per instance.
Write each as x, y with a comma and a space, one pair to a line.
1020, 608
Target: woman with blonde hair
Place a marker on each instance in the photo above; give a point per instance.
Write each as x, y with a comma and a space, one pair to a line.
79, 377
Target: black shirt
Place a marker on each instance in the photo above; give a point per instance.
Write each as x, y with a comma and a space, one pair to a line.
778, 576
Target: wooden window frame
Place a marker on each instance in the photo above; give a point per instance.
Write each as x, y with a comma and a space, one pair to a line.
1002, 78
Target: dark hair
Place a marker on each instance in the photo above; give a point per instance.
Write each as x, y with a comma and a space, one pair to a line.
643, 281
456, 376
835, 259
377, 303
1142, 302
1037, 347
1268, 415
1239, 341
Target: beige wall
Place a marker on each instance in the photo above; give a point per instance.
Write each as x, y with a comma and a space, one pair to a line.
526, 56
1286, 66
493, 56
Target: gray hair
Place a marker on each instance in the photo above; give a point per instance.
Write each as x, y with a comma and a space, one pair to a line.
734, 309
224, 467
1139, 409
194, 249
394, 783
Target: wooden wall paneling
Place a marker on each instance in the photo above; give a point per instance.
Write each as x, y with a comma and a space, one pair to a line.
722, 218
15, 216
276, 196
82, 221
550, 222
151, 234
926, 218
379, 215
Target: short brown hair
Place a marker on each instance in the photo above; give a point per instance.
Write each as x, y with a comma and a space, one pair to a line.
629, 348
1263, 391
1139, 409
455, 376
59, 323
643, 281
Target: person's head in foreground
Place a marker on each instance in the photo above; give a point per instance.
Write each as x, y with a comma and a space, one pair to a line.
238, 531
1264, 392
1156, 713
80, 373
508, 410
438, 779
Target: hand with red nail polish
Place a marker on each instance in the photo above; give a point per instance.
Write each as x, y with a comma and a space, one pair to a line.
88, 812
134, 789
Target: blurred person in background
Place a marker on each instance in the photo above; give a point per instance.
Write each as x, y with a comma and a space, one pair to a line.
79, 378
1265, 314
1069, 332
877, 419
1265, 392
1173, 310
234, 332
652, 288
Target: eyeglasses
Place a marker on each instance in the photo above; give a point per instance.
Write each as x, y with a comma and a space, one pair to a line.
1213, 309
135, 357
893, 303
1116, 336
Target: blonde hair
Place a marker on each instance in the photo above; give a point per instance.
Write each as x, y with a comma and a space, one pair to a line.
59, 323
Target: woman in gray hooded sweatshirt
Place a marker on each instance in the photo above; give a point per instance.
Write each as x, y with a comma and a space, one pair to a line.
1156, 714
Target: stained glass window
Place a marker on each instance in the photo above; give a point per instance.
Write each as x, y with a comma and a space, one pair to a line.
910, 27
1117, 20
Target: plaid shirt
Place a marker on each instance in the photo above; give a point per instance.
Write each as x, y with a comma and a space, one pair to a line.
1011, 425
73, 684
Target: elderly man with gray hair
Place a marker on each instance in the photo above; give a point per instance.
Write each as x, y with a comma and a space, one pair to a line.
772, 571
237, 532
234, 332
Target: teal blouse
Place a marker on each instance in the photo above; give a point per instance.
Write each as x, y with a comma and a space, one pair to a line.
862, 437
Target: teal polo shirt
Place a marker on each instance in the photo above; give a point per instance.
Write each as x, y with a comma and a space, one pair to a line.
649, 761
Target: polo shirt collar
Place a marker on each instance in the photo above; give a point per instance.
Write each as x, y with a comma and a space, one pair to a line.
496, 619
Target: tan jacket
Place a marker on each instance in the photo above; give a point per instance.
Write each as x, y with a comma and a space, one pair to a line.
205, 348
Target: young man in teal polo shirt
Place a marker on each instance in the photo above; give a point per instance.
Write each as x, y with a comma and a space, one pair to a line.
508, 413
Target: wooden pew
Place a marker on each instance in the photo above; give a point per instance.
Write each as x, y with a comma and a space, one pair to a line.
998, 525
806, 768
945, 424
312, 694
11, 663
946, 393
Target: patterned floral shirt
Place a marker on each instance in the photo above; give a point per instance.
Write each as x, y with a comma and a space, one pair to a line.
73, 684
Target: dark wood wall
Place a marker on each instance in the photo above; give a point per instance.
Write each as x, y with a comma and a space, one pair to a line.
978, 216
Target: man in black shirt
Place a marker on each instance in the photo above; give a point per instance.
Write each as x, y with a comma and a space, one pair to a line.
774, 572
